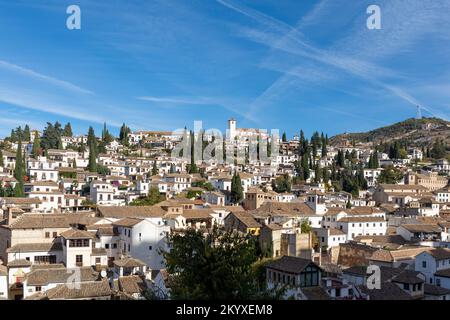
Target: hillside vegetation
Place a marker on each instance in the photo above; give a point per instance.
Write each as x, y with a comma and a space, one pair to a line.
418, 132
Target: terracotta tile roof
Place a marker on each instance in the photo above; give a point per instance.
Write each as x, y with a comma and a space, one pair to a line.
19, 263
35, 247
388, 291
425, 228
362, 219
21, 201
96, 289
197, 214
131, 211
127, 222
283, 208
245, 218
132, 284
396, 255
440, 253
433, 290
42, 277
290, 264
363, 210
315, 293
76, 234
36, 221
98, 252
129, 262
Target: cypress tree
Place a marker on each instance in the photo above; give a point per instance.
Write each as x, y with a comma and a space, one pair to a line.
1, 158
154, 169
317, 174
92, 159
193, 167
376, 162
18, 171
237, 192
305, 167
35, 152
26, 133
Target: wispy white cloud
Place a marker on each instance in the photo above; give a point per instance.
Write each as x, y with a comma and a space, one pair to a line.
176, 100
46, 103
231, 104
341, 58
39, 76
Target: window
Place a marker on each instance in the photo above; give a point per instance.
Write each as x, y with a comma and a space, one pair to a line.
79, 260
406, 286
55, 234
97, 260
150, 247
47, 234
38, 288
438, 282
114, 245
106, 245
45, 259
309, 277
424, 264
77, 243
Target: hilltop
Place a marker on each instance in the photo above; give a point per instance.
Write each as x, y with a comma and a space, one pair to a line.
418, 132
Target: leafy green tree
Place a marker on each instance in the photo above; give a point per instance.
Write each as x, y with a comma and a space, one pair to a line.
349, 204
123, 135
192, 194
51, 137
67, 131
2, 163
152, 198
390, 175
237, 191
9, 191
282, 184
438, 151
221, 265
103, 170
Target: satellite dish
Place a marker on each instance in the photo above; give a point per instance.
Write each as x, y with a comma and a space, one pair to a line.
103, 273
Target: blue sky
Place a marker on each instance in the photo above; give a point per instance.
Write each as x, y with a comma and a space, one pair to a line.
277, 64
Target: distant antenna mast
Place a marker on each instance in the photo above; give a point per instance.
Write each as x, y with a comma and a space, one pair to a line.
419, 112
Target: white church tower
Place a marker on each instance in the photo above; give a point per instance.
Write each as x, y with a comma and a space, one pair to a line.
231, 129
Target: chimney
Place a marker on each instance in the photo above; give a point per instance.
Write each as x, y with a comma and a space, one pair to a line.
10, 217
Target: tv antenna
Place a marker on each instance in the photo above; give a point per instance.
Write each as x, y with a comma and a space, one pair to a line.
419, 112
